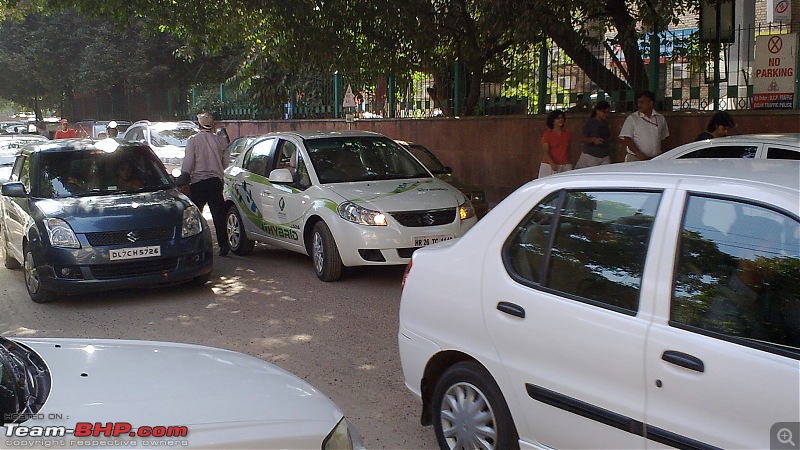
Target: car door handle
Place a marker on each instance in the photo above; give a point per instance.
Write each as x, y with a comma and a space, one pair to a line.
684, 360
512, 309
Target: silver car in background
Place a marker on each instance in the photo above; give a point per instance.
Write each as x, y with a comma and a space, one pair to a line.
167, 139
751, 146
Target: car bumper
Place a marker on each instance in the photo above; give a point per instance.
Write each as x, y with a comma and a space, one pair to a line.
361, 245
415, 352
89, 269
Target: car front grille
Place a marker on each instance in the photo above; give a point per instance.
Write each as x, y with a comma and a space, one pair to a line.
134, 268
427, 218
129, 236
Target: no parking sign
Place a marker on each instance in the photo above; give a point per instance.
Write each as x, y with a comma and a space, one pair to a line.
775, 71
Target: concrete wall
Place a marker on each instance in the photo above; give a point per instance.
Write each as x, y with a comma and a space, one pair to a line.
501, 153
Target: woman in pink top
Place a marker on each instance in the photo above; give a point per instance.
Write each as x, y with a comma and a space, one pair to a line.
555, 143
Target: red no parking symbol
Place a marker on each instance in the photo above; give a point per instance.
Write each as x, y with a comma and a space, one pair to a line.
782, 6
775, 44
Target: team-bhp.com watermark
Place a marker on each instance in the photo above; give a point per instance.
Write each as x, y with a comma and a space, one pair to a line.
87, 434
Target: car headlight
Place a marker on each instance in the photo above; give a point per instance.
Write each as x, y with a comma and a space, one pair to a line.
357, 214
339, 438
465, 210
61, 234
192, 222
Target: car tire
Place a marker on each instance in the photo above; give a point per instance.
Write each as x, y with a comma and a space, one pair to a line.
33, 283
469, 410
8, 261
238, 241
325, 254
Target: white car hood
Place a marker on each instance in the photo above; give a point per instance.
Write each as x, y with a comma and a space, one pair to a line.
400, 195
145, 383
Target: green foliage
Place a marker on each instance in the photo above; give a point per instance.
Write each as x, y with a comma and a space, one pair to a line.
268, 46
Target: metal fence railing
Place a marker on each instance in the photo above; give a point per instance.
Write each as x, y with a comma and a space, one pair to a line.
687, 80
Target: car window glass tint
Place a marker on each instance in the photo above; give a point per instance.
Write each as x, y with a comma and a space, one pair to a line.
525, 251
597, 250
739, 278
171, 136
24, 173
347, 159
259, 157
783, 153
286, 150
724, 151
427, 159
137, 134
303, 179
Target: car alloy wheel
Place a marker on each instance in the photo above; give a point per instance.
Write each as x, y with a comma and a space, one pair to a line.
238, 241
469, 410
327, 262
32, 282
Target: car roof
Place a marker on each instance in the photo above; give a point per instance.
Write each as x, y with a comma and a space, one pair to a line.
792, 139
323, 134
781, 173
69, 145
773, 138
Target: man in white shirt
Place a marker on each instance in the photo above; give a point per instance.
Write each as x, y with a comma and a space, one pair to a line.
644, 130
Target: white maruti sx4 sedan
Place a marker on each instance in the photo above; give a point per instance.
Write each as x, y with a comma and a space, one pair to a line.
350, 198
110, 393
628, 306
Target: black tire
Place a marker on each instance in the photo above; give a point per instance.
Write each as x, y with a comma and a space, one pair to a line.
8, 261
238, 241
33, 283
461, 389
325, 254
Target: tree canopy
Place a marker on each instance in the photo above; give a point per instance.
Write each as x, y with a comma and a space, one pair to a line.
270, 45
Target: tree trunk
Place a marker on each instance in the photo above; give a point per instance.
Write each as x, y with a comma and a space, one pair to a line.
475, 69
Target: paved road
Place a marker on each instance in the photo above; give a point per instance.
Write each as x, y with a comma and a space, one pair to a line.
341, 337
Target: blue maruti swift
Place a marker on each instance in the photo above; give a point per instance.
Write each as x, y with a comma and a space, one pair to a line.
83, 215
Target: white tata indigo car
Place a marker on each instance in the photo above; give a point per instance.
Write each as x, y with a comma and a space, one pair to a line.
345, 198
111, 393
642, 305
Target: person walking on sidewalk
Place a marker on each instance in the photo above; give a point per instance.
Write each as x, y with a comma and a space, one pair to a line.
206, 158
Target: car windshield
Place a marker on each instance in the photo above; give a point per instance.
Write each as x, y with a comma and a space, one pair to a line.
362, 158
428, 159
177, 136
96, 172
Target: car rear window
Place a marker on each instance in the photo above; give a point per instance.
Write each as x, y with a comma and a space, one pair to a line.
724, 151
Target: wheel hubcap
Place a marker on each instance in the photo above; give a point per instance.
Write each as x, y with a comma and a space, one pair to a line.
467, 418
319, 253
31, 277
232, 226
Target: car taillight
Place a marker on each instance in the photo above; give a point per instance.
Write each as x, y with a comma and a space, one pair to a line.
405, 275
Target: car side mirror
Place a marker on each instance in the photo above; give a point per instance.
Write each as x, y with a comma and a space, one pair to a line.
281, 176
14, 189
